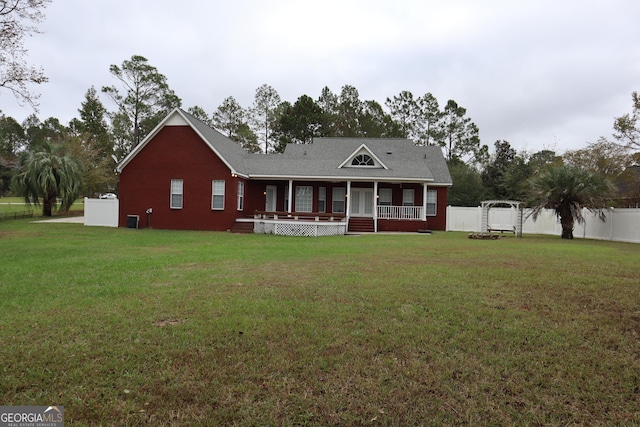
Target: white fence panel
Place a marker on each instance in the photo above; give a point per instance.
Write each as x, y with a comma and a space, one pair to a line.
101, 212
621, 224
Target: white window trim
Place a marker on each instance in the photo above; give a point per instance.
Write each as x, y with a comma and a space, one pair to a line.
181, 193
388, 191
304, 197
406, 202
435, 203
333, 200
322, 197
218, 193
240, 205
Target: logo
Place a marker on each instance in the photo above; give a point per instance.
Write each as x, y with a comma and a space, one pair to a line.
31, 416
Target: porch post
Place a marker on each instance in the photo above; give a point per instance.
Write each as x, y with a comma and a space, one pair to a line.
290, 195
375, 206
423, 216
348, 207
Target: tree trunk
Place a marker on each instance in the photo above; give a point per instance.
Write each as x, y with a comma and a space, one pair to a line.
48, 201
566, 220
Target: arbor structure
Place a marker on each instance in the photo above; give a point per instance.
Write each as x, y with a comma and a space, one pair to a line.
48, 173
145, 99
567, 190
17, 22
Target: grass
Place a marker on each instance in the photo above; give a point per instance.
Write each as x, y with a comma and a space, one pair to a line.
164, 328
17, 204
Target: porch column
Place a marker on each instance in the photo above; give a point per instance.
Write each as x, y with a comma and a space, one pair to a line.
348, 207
290, 196
375, 206
423, 216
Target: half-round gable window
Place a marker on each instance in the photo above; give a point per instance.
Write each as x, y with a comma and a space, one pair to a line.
362, 160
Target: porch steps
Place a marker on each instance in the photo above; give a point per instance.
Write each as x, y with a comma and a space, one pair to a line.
242, 227
361, 225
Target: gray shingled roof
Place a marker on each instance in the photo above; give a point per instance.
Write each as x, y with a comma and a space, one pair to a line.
404, 160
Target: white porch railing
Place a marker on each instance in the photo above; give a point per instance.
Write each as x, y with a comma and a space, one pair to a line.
400, 212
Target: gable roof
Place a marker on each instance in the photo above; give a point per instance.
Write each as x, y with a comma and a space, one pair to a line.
324, 159
404, 161
230, 152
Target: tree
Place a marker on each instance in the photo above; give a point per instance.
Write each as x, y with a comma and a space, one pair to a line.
349, 112
93, 123
459, 136
493, 175
145, 101
200, 114
407, 112
429, 128
376, 123
298, 123
231, 118
12, 141
17, 22
48, 173
263, 113
626, 127
567, 190
467, 189
604, 157
328, 102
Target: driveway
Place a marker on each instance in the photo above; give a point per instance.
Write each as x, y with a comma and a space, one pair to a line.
67, 219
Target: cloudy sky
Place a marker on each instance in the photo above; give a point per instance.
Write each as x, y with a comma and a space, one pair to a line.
541, 74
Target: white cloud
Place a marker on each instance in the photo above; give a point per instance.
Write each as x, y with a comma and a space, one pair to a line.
536, 73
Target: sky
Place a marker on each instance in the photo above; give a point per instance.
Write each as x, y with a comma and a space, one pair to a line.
539, 74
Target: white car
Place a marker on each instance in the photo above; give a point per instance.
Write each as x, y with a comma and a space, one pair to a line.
108, 196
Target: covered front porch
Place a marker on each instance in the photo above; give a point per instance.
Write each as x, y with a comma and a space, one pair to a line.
336, 207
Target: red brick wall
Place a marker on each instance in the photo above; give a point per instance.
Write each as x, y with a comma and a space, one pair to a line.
177, 152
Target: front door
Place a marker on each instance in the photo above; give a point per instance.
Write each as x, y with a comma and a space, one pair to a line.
362, 202
271, 198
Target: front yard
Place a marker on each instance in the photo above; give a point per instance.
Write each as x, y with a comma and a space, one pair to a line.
150, 327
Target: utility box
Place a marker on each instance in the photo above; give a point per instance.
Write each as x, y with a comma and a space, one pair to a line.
132, 221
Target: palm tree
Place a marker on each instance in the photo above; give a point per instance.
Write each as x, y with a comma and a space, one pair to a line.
567, 190
48, 173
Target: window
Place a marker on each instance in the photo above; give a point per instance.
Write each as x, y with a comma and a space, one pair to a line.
240, 196
217, 195
304, 198
385, 197
338, 194
432, 202
322, 199
176, 194
362, 160
408, 197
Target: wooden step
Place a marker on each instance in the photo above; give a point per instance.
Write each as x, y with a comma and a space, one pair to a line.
242, 227
361, 225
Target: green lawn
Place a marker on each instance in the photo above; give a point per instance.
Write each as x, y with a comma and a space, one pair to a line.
17, 204
150, 327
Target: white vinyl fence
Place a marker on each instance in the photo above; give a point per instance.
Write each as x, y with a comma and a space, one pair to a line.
621, 225
101, 212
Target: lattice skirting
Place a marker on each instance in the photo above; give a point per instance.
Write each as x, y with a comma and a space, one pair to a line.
299, 228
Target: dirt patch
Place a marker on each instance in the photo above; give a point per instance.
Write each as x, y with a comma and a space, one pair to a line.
168, 322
